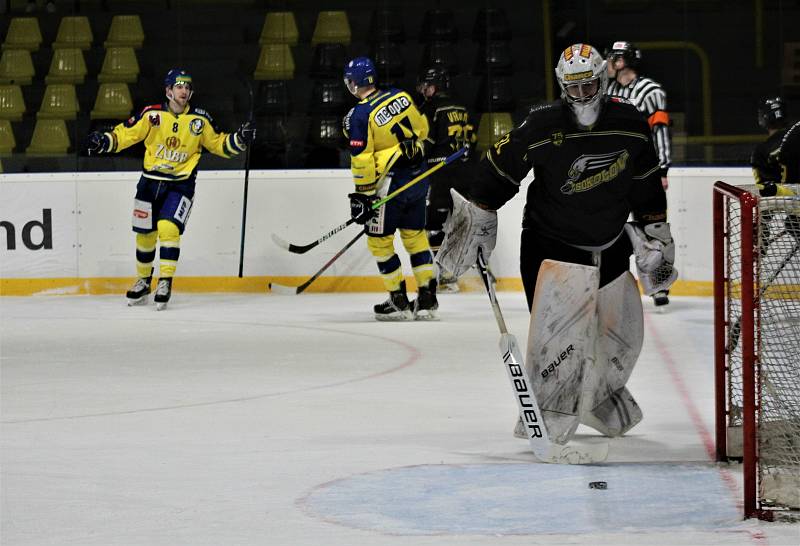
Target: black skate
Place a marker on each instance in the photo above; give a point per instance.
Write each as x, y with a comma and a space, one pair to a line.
426, 305
163, 292
138, 294
396, 307
661, 298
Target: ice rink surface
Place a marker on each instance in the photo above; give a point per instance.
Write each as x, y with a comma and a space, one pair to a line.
233, 419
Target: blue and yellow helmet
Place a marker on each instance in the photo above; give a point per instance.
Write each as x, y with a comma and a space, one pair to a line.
177, 75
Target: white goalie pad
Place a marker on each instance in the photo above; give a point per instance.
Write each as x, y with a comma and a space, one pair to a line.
467, 229
561, 341
620, 334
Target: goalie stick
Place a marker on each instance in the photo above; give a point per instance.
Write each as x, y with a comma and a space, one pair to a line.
282, 289
534, 426
301, 249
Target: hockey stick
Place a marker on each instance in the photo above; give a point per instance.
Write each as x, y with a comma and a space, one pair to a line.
246, 179
535, 429
301, 249
282, 289
736, 327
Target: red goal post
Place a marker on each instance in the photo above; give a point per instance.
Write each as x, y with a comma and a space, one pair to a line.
757, 344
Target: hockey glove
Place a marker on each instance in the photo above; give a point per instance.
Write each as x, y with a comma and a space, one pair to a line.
412, 150
361, 207
98, 143
246, 133
468, 228
654, 251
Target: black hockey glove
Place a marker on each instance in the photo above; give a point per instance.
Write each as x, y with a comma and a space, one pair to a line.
412, 151
246, 133
769, 189
97, 143
361, 207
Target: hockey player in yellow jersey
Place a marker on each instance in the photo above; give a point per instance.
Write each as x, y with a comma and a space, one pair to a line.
174, 134
386, 133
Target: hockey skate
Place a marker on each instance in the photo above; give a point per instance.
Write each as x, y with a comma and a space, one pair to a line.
163, 292
396, 307
140, 291
426, 306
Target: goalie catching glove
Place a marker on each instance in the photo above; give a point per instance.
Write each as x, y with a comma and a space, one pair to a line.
467, 229
654, 251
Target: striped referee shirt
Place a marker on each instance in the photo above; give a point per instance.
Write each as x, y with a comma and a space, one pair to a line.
649, 98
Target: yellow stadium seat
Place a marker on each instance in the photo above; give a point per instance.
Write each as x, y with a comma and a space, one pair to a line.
23, 33
59, 102
7, 140
332, 27
113, 102
50, 137
16, 66
119, 66
125, 31
275, 63
74, 31
279, 28
12, 104
493, 125
67, 66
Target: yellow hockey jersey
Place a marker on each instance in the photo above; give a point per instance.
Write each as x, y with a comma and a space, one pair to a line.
375, 126
173, 143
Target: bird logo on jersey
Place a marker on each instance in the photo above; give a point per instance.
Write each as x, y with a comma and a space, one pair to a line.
612, 165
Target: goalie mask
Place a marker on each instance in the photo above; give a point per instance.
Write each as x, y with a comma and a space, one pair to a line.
581, 74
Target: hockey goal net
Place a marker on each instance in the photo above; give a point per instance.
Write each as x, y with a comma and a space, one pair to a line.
757, 344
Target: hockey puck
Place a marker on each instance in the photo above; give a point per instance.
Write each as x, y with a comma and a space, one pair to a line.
598, 485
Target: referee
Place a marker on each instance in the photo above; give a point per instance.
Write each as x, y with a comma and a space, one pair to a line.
649, 97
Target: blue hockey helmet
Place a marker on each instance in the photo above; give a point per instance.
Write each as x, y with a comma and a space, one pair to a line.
177, 75
360, 72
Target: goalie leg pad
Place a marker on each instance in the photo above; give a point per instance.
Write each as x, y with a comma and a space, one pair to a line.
616, 415
610, 408
561, 341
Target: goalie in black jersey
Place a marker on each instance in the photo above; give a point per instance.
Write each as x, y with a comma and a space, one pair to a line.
594, 164
450, 130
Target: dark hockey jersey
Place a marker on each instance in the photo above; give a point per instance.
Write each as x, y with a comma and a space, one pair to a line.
450, 128
586, 182
764, 160
789, 155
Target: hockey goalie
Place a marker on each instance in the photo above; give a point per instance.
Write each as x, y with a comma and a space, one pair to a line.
594, 165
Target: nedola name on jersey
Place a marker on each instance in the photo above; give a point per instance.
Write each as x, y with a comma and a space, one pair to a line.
394, 108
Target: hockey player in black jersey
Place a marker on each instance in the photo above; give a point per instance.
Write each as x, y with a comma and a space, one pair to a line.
594, 164
772, 117
450, 130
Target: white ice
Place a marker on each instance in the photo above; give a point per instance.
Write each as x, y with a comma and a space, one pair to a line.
234, 419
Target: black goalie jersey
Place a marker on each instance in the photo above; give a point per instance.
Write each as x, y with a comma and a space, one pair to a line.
586, 182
